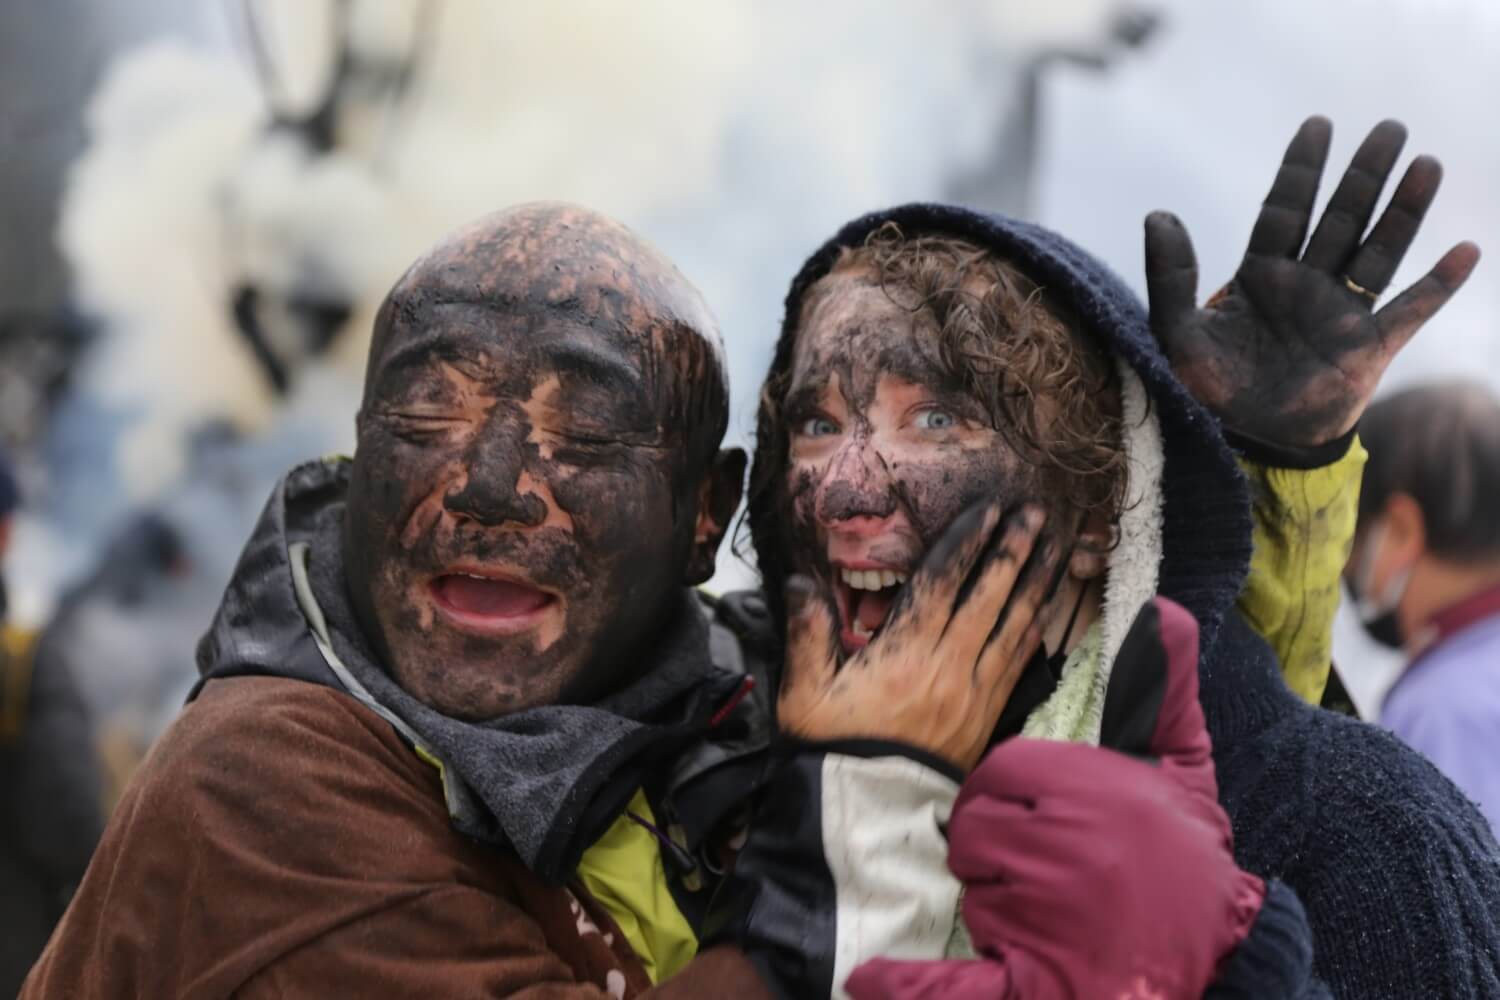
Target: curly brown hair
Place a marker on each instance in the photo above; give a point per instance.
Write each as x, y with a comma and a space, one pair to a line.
1052, 394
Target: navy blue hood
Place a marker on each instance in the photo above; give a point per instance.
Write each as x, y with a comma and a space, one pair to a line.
1206, 538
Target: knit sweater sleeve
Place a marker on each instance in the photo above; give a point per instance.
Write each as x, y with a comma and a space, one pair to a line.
1302, 528
1400, 876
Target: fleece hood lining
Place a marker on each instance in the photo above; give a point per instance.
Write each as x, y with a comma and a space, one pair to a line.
1134, 568
1075, 709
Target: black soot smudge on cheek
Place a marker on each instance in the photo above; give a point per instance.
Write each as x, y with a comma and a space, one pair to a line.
936, 489
798, 506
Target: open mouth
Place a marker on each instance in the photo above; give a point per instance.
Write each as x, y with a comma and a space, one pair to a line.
490, 604
865, 596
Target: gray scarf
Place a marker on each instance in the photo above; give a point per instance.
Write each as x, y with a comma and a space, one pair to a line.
545, 781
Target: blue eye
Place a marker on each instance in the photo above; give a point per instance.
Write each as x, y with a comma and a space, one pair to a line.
936, 420
818, 427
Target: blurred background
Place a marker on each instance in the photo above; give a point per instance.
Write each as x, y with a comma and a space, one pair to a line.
204, 201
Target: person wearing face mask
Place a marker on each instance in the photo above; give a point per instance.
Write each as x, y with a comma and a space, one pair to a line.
1425, 574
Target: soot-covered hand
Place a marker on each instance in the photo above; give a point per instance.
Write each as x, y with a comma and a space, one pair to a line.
1291, 350
937, 677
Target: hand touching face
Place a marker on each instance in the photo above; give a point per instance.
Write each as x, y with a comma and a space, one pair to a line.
886, 449
940, 674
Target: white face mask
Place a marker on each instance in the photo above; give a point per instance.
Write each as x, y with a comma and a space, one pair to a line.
1378, 615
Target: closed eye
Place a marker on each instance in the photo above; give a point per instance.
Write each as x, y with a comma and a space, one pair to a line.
422, 425
577, 447
584, 439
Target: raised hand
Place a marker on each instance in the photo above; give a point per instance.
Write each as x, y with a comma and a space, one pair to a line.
1291, 350
938, 675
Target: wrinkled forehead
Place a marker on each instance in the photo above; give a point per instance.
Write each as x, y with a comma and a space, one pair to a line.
540, 280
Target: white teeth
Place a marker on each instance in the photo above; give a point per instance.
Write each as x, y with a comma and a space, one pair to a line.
871, 579
859, 629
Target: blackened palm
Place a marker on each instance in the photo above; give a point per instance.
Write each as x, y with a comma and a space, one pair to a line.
1290, 351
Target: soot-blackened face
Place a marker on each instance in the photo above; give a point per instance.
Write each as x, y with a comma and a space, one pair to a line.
887, 447
524, 500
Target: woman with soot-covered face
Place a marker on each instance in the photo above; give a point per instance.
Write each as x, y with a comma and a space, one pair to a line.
938, 369
901, 413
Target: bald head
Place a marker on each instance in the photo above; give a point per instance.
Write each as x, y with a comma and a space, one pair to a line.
562, 259
538, 468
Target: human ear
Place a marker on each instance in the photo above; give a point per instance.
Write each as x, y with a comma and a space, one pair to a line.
1405, 534
718, 497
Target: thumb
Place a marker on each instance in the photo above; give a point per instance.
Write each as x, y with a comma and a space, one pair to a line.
1171, 273
1151, 708
810, 659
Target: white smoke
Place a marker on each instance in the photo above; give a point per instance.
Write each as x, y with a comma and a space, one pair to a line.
146, 249
736, 135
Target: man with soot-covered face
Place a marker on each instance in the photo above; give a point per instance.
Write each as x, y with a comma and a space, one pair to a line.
461, 727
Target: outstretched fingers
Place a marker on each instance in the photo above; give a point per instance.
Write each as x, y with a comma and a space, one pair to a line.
1377, 259
1287, 211
1353, 202
1406, 313
1171, 273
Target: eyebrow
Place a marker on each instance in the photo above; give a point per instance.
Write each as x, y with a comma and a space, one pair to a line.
593, 362
419, 351
804, 395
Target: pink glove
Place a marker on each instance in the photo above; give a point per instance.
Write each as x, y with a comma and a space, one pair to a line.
1087, 873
